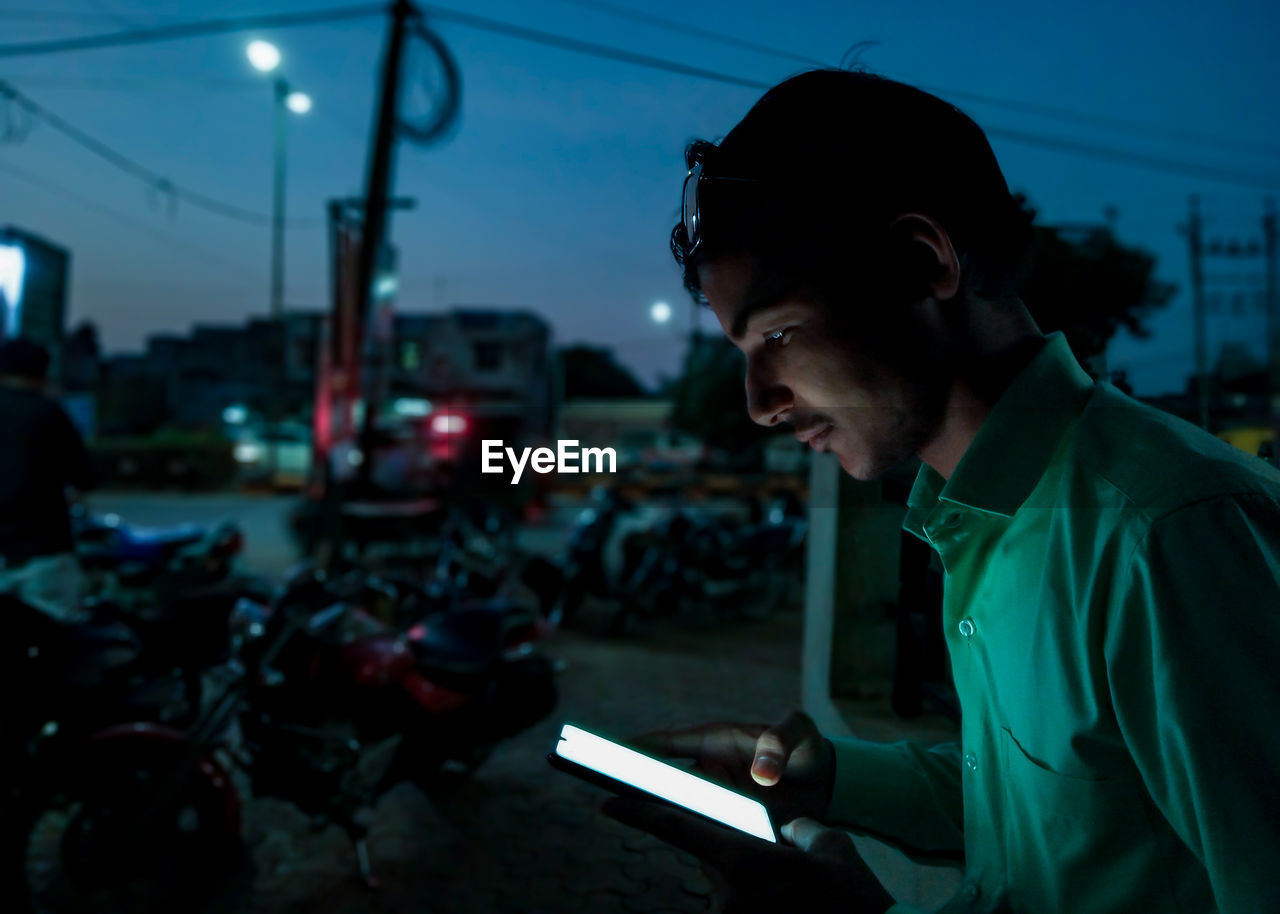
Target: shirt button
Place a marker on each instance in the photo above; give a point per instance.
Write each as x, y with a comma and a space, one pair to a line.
971, 761
972, 891
967, 628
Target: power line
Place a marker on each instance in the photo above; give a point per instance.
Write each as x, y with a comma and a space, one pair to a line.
1120, 124
108, 212
187, 30
586, 47
1154, 130
1185, 169
683, 28
153, 180
595, 49
137, 84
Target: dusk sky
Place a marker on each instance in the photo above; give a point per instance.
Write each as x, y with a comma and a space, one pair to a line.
558, 189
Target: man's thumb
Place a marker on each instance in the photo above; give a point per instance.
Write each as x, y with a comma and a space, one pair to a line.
812, 837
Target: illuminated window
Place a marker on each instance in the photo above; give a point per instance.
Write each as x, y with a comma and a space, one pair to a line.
410, 356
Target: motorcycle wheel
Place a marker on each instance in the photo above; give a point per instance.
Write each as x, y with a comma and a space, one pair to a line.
72, 851
575, 594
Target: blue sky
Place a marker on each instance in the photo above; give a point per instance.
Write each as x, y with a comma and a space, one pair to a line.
558, 189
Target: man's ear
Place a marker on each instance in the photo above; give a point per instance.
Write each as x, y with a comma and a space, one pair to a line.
924, 253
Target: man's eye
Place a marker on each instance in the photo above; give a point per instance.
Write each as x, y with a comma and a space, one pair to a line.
777, 338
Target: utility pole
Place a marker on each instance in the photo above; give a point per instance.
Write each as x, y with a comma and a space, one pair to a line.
373, 230
280, 90
1200, 329
1273, 313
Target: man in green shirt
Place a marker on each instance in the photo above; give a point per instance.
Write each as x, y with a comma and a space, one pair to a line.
1112, 597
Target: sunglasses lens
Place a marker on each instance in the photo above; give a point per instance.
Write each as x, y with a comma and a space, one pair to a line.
689, 211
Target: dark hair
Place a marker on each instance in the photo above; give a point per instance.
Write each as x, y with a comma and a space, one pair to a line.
24, 358
834, 156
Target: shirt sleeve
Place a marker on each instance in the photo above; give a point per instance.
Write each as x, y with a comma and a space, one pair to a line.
904, 793
1192, 653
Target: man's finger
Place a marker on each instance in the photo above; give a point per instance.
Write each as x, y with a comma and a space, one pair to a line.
776, 744
812, 837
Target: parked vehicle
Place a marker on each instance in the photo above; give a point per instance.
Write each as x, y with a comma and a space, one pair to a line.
688, 560
278, 455
139, 566
587, 569
323, 705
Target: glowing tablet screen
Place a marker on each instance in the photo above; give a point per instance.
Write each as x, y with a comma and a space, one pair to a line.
666, 781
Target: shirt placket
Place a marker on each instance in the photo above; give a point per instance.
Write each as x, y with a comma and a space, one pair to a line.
954, 530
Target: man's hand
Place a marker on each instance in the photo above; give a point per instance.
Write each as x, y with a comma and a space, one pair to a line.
788, 767
818, 872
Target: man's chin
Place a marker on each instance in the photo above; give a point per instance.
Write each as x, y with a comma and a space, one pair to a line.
866, 467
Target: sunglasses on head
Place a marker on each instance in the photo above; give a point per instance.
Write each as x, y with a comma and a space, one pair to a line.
690, 209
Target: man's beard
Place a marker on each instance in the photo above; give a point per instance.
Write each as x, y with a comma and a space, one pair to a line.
892, 440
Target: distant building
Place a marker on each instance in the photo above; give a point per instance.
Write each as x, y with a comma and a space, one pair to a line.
495, 364
33, 291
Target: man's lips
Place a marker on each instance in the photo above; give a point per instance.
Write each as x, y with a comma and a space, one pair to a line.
815, 435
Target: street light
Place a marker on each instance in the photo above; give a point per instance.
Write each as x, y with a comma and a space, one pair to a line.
660, 312
265, 57
298, 102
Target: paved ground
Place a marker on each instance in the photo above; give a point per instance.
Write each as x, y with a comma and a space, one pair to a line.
517, 835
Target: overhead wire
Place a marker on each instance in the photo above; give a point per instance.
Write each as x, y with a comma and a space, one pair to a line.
1184, 169
187, 30
1113, 123
470, 20
684, 28
108, 212
150, 178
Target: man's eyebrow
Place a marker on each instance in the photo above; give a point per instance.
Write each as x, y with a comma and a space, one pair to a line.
755, 301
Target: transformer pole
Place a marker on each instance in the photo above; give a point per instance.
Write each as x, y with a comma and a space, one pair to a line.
1273, 315
1200, 328
373, 231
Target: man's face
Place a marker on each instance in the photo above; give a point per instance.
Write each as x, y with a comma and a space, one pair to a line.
842, 390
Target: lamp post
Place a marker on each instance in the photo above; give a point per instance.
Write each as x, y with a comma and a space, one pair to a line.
265, 58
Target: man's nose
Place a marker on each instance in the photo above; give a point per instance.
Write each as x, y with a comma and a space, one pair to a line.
768, 399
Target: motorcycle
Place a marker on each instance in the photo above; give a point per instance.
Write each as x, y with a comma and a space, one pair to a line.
322, 705
592, 563
686, 561
134, 565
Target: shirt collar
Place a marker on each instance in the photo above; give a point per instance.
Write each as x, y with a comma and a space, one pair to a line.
1015, 443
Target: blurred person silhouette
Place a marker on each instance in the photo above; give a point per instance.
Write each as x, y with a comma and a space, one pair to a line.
1112, 596
43, 461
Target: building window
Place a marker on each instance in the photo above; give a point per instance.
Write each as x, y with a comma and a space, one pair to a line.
488, 355
410, 356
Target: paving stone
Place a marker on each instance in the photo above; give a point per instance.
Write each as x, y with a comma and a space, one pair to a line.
611, 878
660, 898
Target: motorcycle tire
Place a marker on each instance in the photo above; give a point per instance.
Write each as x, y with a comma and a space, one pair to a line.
575, 594
70, 848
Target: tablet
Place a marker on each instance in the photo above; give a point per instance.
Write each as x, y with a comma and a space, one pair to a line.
622, 769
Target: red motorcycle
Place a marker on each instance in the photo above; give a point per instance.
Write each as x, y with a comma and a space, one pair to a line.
322, 705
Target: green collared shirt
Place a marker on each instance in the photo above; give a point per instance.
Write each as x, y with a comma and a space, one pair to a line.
1112, 613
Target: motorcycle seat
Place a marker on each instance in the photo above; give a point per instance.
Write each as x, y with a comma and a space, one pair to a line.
470, 637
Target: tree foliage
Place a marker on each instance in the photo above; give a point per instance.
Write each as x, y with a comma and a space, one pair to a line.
592, 371
1089, 285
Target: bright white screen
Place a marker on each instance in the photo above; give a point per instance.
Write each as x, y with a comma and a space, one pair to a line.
666, 781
